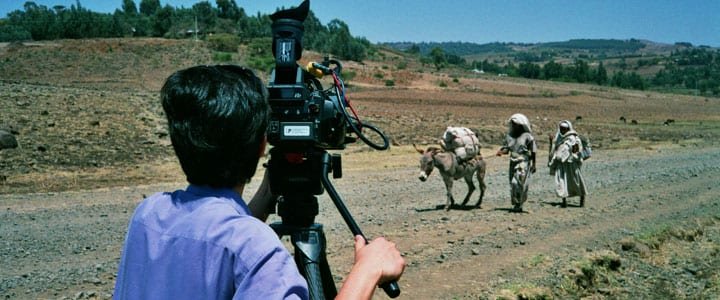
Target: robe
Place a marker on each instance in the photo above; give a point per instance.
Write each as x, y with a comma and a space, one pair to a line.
566, 165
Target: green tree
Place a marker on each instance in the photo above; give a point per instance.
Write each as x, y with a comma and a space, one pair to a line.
425, 60
206, 15
600, 74
618, 79
581, 71
129, 8
38, 20
628, 80
636, 82
149, 7
552, 70
455, 60
228, 9
316, 34
529, 70
163, 21
487, 66
342, 43
414, 49
438, 58
10, 33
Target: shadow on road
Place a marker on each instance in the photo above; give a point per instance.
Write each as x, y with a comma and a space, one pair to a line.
442, 207
512, 210
559, 204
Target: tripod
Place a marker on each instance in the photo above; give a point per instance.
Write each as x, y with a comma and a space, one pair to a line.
297, 181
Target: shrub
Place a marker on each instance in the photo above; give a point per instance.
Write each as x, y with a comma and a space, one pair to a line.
442, 84
389, 82
547, 94
402, 65
261, 63
259, 54
11, 33
379, 75
224, 42
348, 75
222, 56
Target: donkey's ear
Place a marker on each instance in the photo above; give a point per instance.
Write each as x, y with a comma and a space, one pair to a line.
421, 151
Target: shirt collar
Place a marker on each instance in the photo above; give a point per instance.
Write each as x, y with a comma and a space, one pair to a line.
203, 190
229, 193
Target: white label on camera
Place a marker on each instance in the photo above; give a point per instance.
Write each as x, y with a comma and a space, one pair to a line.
296, 130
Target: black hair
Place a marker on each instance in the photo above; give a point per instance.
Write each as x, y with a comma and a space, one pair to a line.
217, 117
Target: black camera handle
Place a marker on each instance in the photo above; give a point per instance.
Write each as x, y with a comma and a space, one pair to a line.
392, 289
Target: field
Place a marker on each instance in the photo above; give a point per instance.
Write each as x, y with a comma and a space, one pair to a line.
93, 141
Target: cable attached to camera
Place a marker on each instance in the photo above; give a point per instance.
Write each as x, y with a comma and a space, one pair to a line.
319, 70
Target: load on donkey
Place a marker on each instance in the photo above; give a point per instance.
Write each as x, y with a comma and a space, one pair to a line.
458, 157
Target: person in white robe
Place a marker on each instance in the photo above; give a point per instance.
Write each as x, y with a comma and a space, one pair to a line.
520, 144
565, 163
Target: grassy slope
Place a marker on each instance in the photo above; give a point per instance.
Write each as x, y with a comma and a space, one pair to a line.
92, 105
87, 111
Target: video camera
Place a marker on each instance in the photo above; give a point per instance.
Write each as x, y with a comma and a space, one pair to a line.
305, 121
303, 114
305, 118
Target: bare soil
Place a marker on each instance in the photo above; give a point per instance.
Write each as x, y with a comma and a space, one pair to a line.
93, 144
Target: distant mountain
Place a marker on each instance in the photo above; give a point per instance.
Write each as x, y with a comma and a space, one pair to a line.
585, 45
457, 48
595, 44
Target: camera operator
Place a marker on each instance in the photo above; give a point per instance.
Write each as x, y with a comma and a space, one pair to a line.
204, 242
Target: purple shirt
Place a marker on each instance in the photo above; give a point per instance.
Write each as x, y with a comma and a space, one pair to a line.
203, 243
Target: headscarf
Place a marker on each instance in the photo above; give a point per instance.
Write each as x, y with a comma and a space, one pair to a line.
559, 136
520, 119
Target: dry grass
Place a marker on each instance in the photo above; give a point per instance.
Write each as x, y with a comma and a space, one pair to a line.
94, 104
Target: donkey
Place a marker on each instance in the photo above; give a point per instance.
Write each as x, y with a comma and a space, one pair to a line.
450, 170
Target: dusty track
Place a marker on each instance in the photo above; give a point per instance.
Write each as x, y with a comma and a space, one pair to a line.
92, 137
68, 244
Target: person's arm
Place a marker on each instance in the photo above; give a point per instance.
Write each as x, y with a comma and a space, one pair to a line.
533, 151
261, 204
532, 162
375, 263
551, 147
502, 151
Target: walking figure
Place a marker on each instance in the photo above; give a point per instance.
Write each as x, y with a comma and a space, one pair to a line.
565, 162
521, 146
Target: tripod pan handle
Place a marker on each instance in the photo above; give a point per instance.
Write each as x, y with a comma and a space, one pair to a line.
392, 289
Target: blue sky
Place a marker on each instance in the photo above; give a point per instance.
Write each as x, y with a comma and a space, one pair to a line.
694, 21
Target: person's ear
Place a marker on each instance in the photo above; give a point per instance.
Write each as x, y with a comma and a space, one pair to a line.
263, 144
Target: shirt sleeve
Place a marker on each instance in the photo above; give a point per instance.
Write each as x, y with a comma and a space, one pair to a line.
269, 272
275, 276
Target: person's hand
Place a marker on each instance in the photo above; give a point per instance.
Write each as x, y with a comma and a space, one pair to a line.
550, 137
575, 148
499, 153
381, 256
375, 264
262, 203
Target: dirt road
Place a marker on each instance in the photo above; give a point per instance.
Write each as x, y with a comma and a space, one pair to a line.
67, 245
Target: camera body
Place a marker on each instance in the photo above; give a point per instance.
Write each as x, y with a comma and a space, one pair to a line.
302, 113
304, 117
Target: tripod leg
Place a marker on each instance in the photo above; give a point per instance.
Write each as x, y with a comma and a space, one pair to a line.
311, 260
